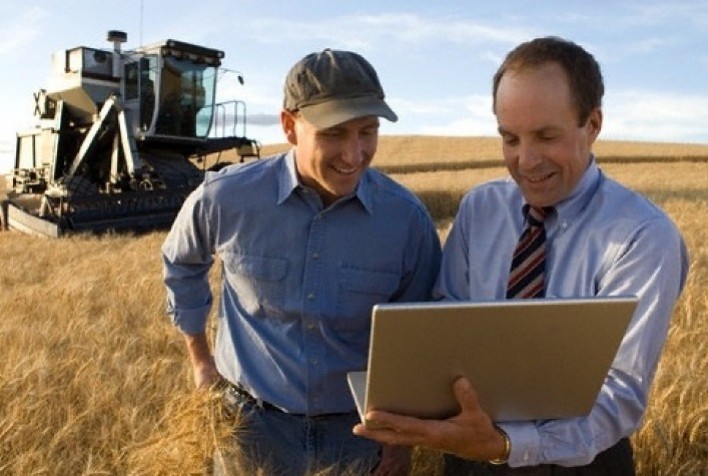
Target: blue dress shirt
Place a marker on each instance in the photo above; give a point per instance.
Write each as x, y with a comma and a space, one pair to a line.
603, 240
298, 280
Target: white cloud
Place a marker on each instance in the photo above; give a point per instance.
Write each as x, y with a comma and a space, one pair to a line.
688, 13
420, 107
416, 29
494, 58
453, 116
628, 115
15, 33
470, 126
366, 32
7, 158
647, 45
656, 116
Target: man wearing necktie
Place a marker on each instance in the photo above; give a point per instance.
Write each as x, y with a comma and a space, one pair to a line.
559, 228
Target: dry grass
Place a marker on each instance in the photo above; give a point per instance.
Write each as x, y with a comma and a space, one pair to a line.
94, 379
404, 154
443, 190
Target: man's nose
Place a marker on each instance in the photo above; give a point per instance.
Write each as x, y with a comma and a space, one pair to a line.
529, 155
353, 152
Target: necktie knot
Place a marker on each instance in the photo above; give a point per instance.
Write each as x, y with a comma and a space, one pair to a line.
536, 215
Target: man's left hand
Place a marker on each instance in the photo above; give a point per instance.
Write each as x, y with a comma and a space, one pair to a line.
469, 434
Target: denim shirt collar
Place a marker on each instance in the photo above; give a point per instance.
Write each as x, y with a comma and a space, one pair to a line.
287, 176
289, 182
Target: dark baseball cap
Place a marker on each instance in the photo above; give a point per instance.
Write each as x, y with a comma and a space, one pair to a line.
332, 87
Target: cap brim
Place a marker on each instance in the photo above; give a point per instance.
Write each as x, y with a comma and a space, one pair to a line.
336, 111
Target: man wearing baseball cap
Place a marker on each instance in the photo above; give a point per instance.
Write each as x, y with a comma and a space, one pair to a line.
309, 241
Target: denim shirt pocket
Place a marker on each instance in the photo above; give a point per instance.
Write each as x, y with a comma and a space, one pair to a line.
358, 291
258, 281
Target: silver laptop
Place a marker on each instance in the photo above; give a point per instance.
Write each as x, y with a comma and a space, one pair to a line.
528, 359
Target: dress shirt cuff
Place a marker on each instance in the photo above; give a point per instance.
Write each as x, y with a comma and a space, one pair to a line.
525, 443
190, 321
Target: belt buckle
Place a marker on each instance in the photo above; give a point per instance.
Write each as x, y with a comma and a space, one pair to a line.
238, 391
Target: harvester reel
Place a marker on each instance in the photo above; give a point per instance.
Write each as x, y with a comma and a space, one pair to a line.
78, 186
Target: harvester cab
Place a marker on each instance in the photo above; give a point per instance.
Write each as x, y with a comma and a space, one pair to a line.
119, 138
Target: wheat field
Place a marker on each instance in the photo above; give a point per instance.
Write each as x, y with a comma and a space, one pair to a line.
94, 379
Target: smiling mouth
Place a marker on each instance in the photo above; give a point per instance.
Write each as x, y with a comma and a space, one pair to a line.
539, 179
344, 171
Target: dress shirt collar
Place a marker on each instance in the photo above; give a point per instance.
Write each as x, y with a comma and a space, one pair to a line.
289, 182
569, 209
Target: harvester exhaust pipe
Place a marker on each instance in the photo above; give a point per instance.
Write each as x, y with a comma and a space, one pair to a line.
117, 37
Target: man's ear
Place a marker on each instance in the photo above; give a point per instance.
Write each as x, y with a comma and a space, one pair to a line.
594, 124
287, 122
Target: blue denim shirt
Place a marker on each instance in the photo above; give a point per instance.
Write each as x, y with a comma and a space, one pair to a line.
298, 281
603, 240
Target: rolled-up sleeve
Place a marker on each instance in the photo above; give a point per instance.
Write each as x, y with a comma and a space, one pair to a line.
187, 258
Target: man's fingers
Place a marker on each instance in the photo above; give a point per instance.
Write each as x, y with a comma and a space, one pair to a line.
394, 422
391, 429
466, 395
383, 436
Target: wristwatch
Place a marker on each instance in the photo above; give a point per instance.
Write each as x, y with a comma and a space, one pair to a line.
507, 448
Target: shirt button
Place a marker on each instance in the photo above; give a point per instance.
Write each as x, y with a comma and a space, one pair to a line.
315, 255
311, 297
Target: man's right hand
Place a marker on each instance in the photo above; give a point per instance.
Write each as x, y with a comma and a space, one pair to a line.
203, 366
205, 376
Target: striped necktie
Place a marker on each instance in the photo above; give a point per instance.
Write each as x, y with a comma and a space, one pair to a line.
526, 278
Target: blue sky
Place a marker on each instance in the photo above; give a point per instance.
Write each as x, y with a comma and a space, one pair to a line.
435, 59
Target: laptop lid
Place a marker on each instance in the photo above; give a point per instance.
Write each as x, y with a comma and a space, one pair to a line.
528, 359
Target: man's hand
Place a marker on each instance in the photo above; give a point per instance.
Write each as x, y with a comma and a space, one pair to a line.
203, 366
395, 461
469, 434
205, 375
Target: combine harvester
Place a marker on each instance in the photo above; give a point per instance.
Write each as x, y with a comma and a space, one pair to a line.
119, 139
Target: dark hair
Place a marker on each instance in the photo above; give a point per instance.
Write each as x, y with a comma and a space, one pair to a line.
583, 72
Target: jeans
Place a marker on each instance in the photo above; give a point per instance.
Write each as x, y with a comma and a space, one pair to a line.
615, 461
279, 443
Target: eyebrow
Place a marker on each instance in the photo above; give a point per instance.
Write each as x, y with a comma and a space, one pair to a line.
541, 130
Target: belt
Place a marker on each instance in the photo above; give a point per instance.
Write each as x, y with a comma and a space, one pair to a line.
241, 393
